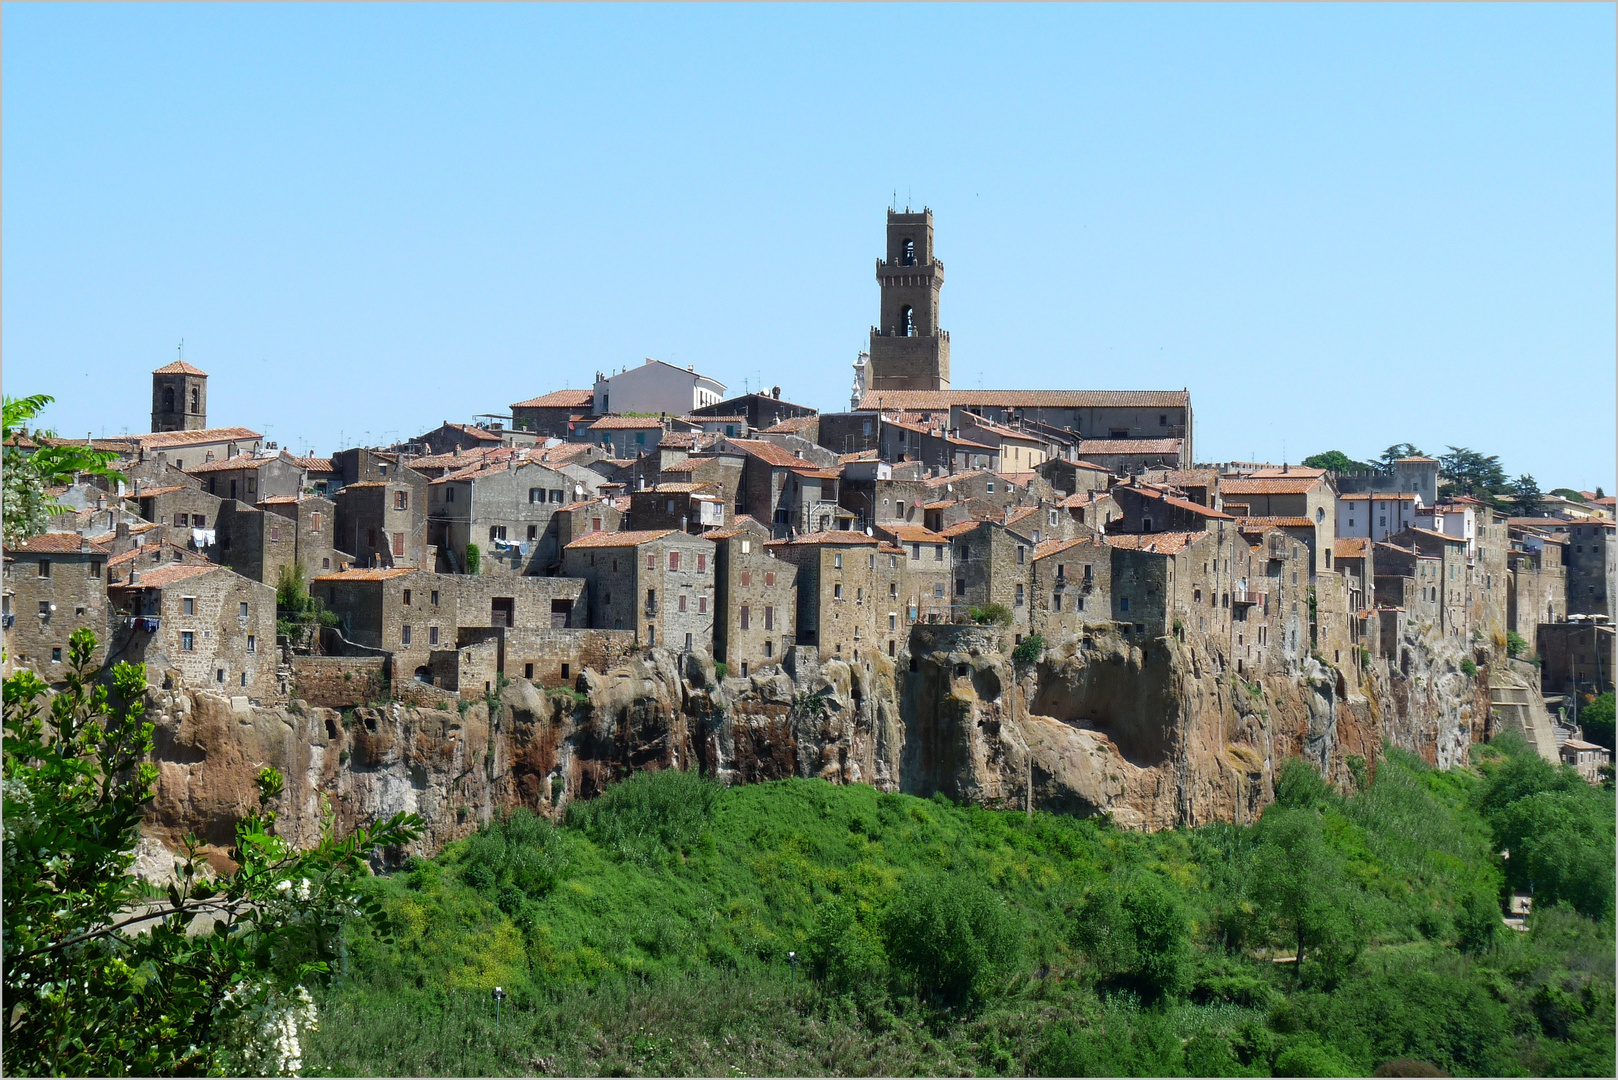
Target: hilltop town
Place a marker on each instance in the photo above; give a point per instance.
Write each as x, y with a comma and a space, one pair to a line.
1011, 596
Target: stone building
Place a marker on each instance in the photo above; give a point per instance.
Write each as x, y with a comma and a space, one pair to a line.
1307, 496
848, 592
1068, 477
1144, 509
1537, 583
1409, 474
908, 350
761, 410
252, 478
1576, 655
756, 599
150, 556
1129, 457
579, 519
55, 584
179, 398
1160, 586
692, 508
786, 490
657, 583
1455, 579
448, 437
992, 566
626, 437
505, 509
187, 515
1592, 561
383, 523
1070, 587
312, 520
554, 415
1410, 581
202, 626
195, 446
928, 567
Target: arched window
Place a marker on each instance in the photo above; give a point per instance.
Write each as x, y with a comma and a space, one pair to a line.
196, 400
907, 322
908, 257
168, 399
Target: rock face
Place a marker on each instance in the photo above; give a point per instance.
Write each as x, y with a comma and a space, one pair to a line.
1156, 735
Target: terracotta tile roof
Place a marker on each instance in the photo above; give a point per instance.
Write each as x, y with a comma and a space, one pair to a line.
913, 534
1019, 515
956, 478
838, 537
1046, 548
1437, 535
180, 367
162, 440
560, 399
945, 505
1351, 547
1268, 486
166, 575
626, 423
631, 538
770, 453
743, 526
1247, 522
1131, 446
1021, 479
683, 489
240, 461
1182, 478
147, 549
620, 503
314, 464
365, 484
146, 492
990, 426
1425, 460
1026, 399
960, 527
1158, 495
1164, 543
279, 500
473, 430
1079, 463
863, 455
451, 461
686, 466
59, 543
792, 425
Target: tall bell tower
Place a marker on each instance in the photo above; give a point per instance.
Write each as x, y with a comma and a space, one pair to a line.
179, 398
908, 350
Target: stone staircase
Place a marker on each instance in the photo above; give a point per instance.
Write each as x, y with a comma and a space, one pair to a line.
1521, 709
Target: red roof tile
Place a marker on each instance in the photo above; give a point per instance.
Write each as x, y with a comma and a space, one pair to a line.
560, 399
180, 367
59, 544
1269, 486
166, 575
1131, 446
1164, 543
368, 573
631, 538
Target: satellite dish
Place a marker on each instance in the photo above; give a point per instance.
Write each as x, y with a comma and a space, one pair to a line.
868, 531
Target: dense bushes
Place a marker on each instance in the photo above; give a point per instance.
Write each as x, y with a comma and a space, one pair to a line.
941, 938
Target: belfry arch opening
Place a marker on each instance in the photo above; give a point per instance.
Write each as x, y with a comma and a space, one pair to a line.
907, 322
907, 257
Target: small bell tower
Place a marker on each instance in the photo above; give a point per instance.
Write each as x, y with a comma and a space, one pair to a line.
179, 398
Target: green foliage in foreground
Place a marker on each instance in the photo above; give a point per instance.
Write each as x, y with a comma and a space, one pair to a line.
649, 933
103, 979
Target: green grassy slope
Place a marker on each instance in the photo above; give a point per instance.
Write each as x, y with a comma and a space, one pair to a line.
650, 934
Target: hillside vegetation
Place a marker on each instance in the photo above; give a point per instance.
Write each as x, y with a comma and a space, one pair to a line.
1346, 932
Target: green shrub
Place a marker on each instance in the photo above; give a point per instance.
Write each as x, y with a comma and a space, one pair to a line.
991, 614
649, 816
949, 939
846, 953
721, 669
474, 558
1137, 936
1469, 669
1515, 643
1029, 650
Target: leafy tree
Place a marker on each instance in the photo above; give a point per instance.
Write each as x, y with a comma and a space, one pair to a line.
1336, 461
949, 939
1561, 845
1300, 881
1570, 495
1526, 498
846, 952
1472, 473
99, 979
28, 474
1394, 453
1138, 936
991, 615
1597, 720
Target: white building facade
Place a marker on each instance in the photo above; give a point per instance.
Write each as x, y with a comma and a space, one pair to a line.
656, 387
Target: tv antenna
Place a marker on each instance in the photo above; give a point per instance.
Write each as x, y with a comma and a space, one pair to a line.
181, 348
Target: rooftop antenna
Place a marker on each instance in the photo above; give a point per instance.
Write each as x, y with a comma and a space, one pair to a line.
181, 347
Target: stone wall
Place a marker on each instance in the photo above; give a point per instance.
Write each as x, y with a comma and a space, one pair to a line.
339, 682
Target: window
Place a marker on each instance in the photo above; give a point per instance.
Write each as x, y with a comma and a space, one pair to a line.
1022, 555
938, 590
168, 399
872, 563
56, 655
404, 634
314, 522
893, 590
435, 598
556, 496
1162, 419
528, 671
769, 579
901, 508
1056, 602
536, 495
651, 561
769, 618
960, 586
907, 257
682, 601
432, 635
1123, 603
745, 616
252, 643
179, 521
837, 592
990, 487
836, 561
188, 605
44, 568
370, 538
449, 494
252, 485
188, 641
915, 551
702, 564
198, 521
533, 532
702, 605
398, 543
747, 546
95, 567
769, 648
496, 532
907, 322
219, 676
275, 534
674, 560
1019, 596
241, 610
196, 400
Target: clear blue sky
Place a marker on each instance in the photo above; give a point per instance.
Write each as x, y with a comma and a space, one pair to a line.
1340, 226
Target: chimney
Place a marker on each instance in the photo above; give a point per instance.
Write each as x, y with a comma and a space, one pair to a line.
134, 574
775, 392
122, 531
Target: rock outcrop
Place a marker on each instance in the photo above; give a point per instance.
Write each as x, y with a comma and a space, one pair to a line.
1155, 734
